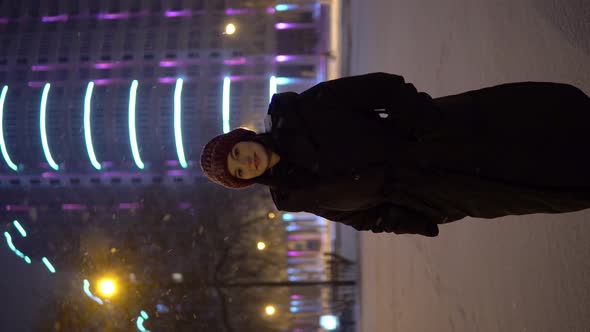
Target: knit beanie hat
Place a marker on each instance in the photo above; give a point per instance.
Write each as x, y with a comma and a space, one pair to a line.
214, 158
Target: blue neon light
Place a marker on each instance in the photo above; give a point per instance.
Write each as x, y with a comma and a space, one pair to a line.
132, 129
273, 87
329, 322
140, 320
225, 106
20, 228
288, 217
44, 142
86, 289
87, 126
13, 248
2, 142
178, 123
284, 80
283, 7
48, 265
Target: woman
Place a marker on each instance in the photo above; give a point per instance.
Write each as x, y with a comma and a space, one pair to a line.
372, 152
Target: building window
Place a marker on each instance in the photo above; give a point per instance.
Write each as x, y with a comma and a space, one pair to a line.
62, 74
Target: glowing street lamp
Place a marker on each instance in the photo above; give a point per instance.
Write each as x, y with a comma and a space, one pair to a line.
261, 245
270, 310
230, 29
107, 287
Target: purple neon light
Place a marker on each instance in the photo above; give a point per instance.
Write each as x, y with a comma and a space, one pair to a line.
237, 61
105, 81
106, 65
283, 26
234, 11
34, 84
184, 205
40, 67
284, 58
4, 20
270, 10
113, 16
57, 18
178, 13
73, 207
176, 172
172, 163
17, 208
292, 253
169, 63
129, 206
50, 175
295, 297
167, 80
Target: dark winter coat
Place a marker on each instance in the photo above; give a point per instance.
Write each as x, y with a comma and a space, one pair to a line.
388, 158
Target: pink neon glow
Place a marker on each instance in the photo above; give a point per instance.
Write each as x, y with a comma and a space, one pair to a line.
57, 18
292, 253
167, 80
112, 16
169, 63
129, 206
295, 297
283, 58
49, 175
178, 13
238, 61
4, 20
104, 81
106, 65
176, 172
17, 208
283, 26
73, 207
270, 10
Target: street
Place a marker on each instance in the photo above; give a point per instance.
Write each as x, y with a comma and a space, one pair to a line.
529, 273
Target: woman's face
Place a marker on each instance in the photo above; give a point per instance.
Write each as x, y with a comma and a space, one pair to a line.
248, 160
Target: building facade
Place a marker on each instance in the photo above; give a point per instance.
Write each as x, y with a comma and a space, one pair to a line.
130, 91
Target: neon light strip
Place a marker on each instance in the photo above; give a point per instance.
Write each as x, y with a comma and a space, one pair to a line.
48, 265
13, 248
225, 106
283, 7
89, 293
87, 126
46, 151
177, 123
20, 228
132, 130
142, 318
2, 142
273, 87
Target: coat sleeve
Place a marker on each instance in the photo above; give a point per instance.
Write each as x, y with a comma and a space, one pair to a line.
364, 92
387, 218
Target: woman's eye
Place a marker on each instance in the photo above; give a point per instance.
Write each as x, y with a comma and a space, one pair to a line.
236, 153
239, 173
